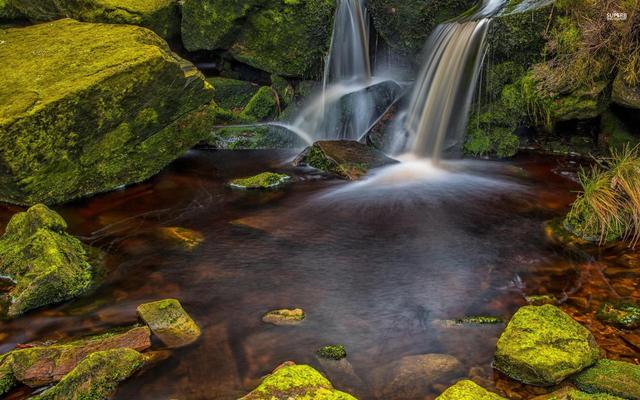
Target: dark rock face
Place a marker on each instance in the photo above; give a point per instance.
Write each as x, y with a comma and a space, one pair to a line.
345, 159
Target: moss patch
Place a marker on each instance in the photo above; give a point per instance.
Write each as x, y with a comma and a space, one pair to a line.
468, 390
124, 109
622, 315
263, 105
232, 94
332, 352
46, 264
570, 393
265, 180
616, 378
96, 377
543, 345
170, 322
284, 316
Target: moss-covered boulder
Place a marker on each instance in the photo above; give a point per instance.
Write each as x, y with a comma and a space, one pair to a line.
345, 159
41, 365
468, 390
296, 382
622, 315
232, 94
570, 393
288, 38
161, 16
284, 316
45, 264
265, 180
624, 94
542, 346
96, 377
121, 111
170, 322
616, 378
406, 24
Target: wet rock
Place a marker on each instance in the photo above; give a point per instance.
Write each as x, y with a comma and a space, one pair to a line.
43, 364
332, 352
342, 374
541, 299
96, 377
616, 378
284, 316
161, 16
121, 111
265, 180
543, 345
296, 381
46, 264
263, 105
170, 322
569, 393
287, 38
412, 376
624, 94
187, 238
232, 94
468, 390
480, 320
622, 315
344, 158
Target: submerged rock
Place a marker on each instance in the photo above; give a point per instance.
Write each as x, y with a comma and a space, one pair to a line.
121, 111
346, 159
412, 376
284, 316
265, 180
46, 264
287, 38
332, 352
170, 322
161, 16
622, 315
43, 364
569, 393
189, 239
292, 381
541, 299
616, 378
542, 346
468, 390
96, 377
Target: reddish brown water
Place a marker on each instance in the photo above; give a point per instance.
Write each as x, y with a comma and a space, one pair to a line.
372, 265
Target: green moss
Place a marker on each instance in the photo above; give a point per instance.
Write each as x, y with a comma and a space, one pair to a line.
615, 133
170, 322
296, 381
265, 180
232, 94
570, 393
543, 345
263, 105
468, 390
616, 378
480, 320
622, 315
80, 128
332, 352
8, 11
96, 377
499, 142
7, 381
46, 264
541, 299
161, 16
284, 90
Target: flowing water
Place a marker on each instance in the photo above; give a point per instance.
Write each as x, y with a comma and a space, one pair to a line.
437, 116
376, 265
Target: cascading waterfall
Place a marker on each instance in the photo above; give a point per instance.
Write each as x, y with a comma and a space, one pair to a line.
437, 117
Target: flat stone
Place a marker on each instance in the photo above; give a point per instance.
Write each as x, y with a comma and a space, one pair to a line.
265, 180
284, 316
170, 322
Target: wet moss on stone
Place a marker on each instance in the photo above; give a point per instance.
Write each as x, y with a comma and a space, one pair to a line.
284, 316
570, 393
7, 381
332, 352
468, 390
265, 180
622, 315
299, 382
232, 94
46, 264
96, 377
124, 109
263, 105
480, 320
543, 346
615, 378
170, 322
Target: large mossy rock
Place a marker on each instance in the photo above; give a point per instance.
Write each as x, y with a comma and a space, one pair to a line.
406, 24
468, 390
91, 107
625, 95
570, 393
542, 346
161, 16
170, 322
615, 378
41, 365
296, 382
96, 377
288, 38
45, 264
345, 159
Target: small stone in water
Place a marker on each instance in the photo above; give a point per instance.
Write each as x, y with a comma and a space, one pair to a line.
265, 180
170, 322
332, 352
622, 315
284, 316
541, 299
187, 238
480, 320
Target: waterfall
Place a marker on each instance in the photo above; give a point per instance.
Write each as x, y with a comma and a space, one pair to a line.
438, 114
350, 99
